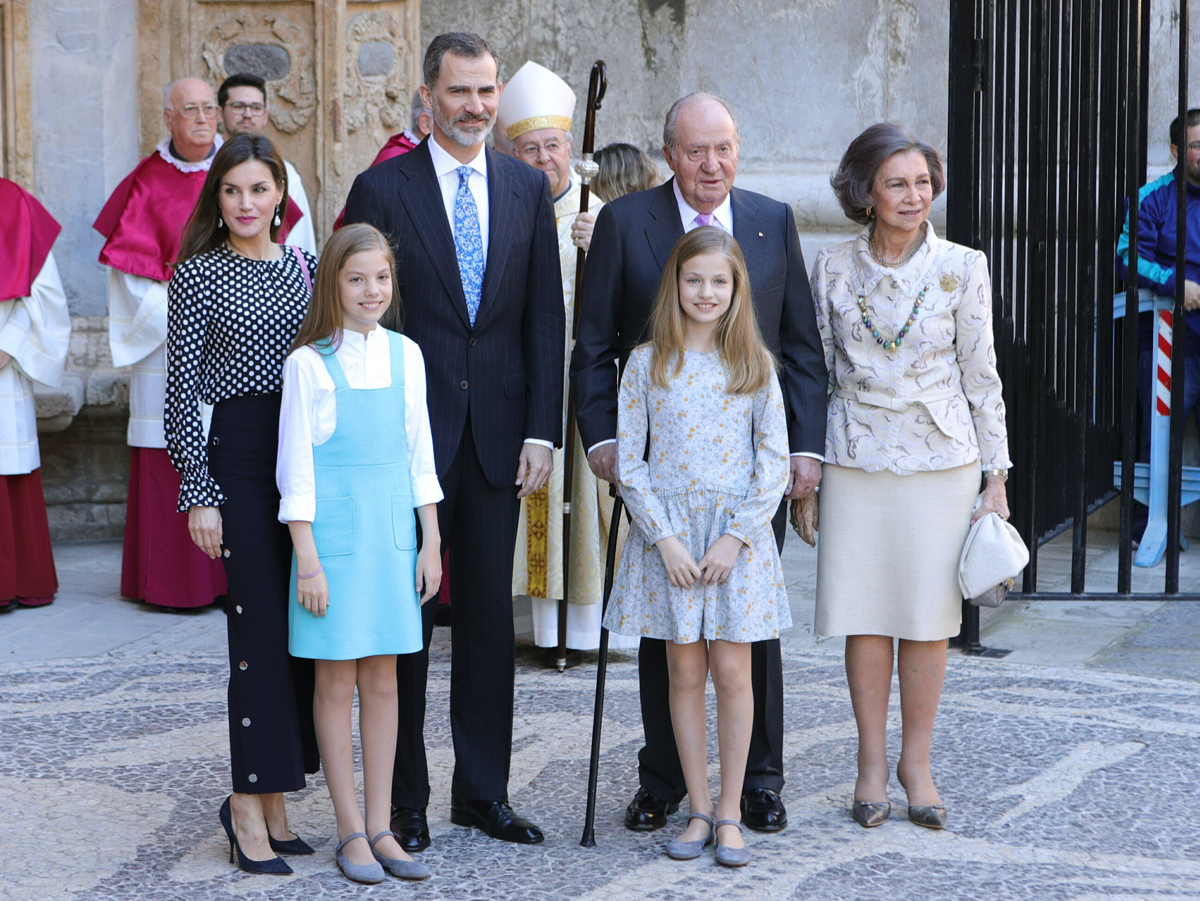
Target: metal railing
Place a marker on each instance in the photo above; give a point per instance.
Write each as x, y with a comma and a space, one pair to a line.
1047, 148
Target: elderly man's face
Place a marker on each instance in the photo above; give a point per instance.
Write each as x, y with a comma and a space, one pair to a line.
705, 156
548, 149
191, 118
464, 99
244, 112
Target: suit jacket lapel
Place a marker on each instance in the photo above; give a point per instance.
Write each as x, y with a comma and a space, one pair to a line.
428, 212
666, 228
748, 232
501, 208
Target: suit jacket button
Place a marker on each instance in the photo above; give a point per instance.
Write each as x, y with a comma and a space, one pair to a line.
471, 342
463, 385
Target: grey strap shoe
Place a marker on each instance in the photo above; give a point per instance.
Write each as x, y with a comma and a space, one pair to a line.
691, 850
727, 856
366, 873
402, 869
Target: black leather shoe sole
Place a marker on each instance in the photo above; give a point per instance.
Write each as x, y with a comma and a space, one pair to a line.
467, 818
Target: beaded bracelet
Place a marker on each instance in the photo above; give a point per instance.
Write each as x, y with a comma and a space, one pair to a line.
312, 575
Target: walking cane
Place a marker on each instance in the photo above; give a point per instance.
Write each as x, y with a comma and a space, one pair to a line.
587, 170
589, 819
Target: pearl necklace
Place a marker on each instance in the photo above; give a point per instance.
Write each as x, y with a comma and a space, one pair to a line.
900, 262
892, 343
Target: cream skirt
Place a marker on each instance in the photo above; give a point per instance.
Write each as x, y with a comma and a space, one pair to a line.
888, 549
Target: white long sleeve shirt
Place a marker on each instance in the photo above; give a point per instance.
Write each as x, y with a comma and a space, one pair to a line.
308, 416
36, 332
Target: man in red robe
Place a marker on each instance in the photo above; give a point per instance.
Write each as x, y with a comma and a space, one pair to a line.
143, 223
35, 332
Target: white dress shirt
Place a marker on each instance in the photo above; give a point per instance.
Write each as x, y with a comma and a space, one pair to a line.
308, 416
446, 168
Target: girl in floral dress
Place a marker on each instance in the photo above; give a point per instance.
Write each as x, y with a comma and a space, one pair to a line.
702, 462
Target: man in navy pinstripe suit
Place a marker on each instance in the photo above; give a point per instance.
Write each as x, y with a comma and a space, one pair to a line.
478, 274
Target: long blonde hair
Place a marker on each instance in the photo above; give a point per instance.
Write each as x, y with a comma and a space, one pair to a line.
323, 321
747, 361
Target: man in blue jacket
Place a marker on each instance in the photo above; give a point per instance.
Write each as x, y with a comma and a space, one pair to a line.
1157, 205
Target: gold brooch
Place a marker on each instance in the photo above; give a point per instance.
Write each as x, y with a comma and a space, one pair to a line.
949, 281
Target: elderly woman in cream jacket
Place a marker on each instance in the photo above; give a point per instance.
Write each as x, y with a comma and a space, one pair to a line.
916, 418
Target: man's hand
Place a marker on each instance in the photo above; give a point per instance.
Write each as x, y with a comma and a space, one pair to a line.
5, 359
804, 477
1191, 298
581, 230
681, 568
534, 468
204, 525
603, 462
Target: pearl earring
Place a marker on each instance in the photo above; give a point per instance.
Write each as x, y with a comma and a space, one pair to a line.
278, 221
220, 222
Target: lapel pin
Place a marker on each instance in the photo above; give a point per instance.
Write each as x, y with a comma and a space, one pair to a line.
760, 234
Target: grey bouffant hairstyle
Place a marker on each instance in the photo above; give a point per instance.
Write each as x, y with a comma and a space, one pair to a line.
855, 175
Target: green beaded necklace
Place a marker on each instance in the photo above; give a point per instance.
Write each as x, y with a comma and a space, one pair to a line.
892, 343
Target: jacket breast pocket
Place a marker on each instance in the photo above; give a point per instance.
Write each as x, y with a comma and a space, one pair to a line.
333, 527
404, 521
514, 385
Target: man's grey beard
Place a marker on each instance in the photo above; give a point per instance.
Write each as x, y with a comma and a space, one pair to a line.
459, 135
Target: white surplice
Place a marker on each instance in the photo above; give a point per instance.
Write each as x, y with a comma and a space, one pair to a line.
36, 332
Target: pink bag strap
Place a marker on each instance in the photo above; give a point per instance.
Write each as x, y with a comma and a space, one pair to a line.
303, 266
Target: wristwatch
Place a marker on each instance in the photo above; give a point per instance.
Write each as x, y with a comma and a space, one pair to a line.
1001, 474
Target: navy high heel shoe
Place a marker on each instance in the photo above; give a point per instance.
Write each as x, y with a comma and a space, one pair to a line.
275, 865
295, 845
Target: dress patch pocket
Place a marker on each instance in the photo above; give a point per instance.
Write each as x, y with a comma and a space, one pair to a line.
404, 521
333, 527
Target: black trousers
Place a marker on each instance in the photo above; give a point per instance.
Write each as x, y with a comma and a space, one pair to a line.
658, 761
272, 741
478, 525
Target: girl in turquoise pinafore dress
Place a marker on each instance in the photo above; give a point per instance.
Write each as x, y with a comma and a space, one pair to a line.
355, 461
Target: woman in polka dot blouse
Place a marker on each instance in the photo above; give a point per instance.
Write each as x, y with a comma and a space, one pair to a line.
235, 303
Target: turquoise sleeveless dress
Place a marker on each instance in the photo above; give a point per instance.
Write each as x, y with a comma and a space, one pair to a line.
365, 527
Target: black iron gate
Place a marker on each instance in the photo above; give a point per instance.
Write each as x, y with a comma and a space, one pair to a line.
1047, 144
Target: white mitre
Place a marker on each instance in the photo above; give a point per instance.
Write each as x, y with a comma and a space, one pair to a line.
535, 98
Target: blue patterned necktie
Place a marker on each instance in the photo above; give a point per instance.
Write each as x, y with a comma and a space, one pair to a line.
468, 242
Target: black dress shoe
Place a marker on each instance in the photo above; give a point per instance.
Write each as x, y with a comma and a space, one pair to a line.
6, 606
763, 810
495, 818
647, 811
295, 845
410, 828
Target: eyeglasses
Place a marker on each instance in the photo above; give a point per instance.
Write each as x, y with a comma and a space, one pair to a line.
1193, 147
254, 109
532, 151
193, 111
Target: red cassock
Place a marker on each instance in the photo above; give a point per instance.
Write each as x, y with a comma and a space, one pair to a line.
143, 222
27, 574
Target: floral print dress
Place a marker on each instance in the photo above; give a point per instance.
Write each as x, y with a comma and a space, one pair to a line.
717, 464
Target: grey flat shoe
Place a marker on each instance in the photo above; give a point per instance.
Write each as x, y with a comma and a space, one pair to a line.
727, 856
402, 869
366, 873
931, 817
691, 850
871, 813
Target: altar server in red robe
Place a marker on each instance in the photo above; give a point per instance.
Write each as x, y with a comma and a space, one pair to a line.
35, 330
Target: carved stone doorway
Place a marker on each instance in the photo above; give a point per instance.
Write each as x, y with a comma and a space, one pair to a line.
340, 75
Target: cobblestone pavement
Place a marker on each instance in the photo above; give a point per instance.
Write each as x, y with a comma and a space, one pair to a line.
1062, 782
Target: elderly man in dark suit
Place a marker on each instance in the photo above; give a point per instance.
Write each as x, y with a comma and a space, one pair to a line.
478, 273
634, 236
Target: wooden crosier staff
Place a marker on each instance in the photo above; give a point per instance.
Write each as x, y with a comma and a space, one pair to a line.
587, 169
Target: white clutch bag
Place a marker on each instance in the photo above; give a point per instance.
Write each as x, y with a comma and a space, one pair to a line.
992, 558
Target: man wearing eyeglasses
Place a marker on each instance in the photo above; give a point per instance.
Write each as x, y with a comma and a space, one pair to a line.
1157, 205
242, 98
142, 222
